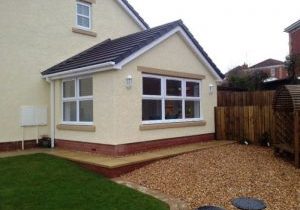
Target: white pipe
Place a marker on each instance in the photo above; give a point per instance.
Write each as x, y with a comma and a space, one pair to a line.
37, 134
52, 112
23, 138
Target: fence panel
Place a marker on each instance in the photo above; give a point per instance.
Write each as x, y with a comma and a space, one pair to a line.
244, 122
254, 98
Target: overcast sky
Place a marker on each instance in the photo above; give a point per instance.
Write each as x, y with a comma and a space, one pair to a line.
230, 31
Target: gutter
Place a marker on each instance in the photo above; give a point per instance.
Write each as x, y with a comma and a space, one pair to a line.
81, 71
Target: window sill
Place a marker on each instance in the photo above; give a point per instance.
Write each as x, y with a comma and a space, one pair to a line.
90, 1
156, 126
85, 128
84, 32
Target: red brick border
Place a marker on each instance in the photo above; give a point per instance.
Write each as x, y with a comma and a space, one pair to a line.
17, 145
113, 172
126, 149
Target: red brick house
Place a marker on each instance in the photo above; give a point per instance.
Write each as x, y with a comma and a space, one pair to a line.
294, 34
274, 68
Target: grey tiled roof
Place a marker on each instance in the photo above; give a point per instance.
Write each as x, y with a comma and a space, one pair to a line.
293, 27
118, 49
267, 63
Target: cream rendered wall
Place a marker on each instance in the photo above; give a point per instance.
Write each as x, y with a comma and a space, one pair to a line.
118, 110
103, 97
36, 35
173, 54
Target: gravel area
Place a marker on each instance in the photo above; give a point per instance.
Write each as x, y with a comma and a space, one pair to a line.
217, 175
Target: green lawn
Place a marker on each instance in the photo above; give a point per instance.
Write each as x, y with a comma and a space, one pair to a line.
47, 183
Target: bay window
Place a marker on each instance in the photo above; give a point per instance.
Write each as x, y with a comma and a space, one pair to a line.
168, 99
77, 101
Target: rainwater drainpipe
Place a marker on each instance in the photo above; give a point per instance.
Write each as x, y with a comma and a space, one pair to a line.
52, 111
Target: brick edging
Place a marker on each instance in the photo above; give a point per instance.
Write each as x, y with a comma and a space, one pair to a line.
126, 149
17, 145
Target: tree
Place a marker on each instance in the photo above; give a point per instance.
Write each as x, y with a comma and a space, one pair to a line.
249, 80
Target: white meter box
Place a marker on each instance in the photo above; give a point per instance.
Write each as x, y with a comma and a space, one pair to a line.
33, 115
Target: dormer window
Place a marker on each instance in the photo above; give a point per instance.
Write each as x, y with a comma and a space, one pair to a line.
83, 15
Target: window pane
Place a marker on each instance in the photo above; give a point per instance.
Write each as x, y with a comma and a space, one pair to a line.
173, 109
69, 89
83, 10
86, 111
86, 87
83, 21
192, 89
151, 110
69, 111
173, 88
192, 109
151, 86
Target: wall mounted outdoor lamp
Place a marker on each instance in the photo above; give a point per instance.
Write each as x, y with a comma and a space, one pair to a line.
128, 81
211, 89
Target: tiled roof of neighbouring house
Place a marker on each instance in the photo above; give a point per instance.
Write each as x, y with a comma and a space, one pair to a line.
292, 27
267, 63
118, 49
135, 13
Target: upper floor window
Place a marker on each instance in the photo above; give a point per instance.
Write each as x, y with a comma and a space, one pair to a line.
83, 15
77, 100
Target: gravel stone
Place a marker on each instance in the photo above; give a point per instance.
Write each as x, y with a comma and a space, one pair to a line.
216, 176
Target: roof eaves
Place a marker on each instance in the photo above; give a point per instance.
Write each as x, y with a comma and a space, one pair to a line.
145, 43
292, 27
200, 48
48, 71
135, 13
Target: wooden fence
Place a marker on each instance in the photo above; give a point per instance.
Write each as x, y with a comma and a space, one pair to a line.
239, 122
244, 115
253, 98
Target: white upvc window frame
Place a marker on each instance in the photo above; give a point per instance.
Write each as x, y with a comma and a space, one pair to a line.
163, 97
85, 16
77, 98
273, 72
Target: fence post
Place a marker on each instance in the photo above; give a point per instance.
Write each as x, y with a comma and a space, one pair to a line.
296, 138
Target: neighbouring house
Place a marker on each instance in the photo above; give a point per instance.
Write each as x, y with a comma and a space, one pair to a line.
294, 44
275, 69
93, 76
294, 37
293, 61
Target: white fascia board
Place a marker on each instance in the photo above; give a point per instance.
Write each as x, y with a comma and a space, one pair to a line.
81, 71
179, 30
132, 15
147, 48
199, 54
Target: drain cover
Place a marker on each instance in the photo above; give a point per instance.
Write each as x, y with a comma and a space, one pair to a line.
249, 203
209, 208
